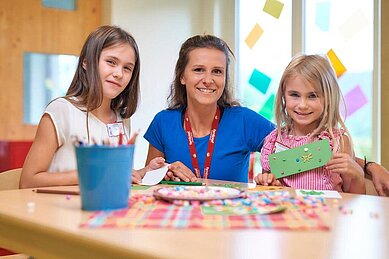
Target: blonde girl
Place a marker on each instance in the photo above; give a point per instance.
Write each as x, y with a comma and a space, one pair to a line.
308, 109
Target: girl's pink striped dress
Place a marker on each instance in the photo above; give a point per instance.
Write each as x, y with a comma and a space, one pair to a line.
315, 179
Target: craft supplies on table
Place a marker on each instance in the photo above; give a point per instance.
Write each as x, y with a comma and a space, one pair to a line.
256, 210
200, 193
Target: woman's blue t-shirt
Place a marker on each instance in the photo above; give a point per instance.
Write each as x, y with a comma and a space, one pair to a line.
240, 132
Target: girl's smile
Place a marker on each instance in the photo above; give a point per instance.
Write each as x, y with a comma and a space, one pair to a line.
113, 83
116, 65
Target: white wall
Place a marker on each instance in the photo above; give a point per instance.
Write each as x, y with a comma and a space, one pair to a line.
160, 27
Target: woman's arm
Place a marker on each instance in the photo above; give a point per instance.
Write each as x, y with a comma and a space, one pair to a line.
379, 175
153, 153
38, 160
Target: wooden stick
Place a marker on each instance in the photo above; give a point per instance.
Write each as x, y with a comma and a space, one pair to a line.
56, 191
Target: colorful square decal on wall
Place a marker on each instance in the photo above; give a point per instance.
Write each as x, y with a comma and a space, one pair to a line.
260, 81
355, 99
336, 63
273, 7
354, 25
60, 4
254, 35
322, 17
267, 109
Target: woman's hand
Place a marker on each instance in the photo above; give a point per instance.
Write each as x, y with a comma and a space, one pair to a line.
266, 178
380, 177
178, 171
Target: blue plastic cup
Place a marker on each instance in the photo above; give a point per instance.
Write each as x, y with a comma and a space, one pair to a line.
104, 175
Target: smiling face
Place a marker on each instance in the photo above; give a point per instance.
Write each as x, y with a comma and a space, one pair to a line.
116, 66
204, 76
304, 105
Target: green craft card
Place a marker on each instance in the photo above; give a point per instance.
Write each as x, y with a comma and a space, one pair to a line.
300, 159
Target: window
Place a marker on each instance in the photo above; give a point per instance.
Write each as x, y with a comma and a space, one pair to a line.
270, 32
45, 77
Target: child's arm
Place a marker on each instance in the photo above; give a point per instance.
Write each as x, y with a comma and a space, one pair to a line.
344, 164
177, 169
38, 160
266, 178
154, 163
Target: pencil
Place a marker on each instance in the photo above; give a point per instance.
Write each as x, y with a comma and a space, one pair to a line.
56, 191
133, 138
182, 183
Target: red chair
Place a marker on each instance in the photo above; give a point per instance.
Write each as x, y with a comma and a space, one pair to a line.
13, 153
4, 252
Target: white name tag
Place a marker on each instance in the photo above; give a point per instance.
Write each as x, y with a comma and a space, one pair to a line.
114, 129
278, 147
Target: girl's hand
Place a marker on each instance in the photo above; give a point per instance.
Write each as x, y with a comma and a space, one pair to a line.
345, 165
155, 163
267, 179
178, 171
136, 177
350, 171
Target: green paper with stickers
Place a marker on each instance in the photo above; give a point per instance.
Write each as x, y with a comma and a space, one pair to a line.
300, 159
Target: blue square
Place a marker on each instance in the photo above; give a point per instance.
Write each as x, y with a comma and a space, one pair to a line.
60, 4
260, 81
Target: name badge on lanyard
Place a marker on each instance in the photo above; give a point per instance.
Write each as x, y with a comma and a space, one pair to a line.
114, 129
278, 147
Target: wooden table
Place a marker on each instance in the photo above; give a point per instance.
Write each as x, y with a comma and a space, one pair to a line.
50, 229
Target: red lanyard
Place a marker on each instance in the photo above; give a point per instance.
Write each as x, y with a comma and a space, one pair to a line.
211, 144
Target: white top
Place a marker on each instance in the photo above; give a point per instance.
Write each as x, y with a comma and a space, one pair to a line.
71, 122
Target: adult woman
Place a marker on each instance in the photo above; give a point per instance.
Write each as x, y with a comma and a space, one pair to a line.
204, 129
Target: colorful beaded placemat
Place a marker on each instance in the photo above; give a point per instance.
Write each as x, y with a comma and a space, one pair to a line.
270, 210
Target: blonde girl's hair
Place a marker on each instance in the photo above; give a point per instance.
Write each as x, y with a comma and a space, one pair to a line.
316, 70
86, 85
